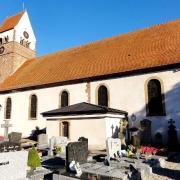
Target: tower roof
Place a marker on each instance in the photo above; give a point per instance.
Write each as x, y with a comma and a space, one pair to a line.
11, 22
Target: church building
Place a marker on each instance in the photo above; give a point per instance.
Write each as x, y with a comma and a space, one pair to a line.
137, 73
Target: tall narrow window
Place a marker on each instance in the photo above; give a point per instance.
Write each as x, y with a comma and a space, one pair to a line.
155, 106
65, 129
33, 106
102, 96
8, 108
64, 99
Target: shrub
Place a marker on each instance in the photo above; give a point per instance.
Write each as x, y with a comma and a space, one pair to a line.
33, 158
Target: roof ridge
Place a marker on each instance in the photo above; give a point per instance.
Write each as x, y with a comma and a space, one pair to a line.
15, 15
11, 21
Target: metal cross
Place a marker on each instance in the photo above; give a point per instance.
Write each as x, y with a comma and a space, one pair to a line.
6, 126
171, 122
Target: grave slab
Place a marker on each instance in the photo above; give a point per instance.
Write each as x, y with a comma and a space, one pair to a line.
13, 165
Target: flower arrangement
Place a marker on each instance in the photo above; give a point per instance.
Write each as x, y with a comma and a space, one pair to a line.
148, 150
57, 149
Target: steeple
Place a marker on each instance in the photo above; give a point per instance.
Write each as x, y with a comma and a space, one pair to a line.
17, 43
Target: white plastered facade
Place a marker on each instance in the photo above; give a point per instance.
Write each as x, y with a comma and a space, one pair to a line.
125, 93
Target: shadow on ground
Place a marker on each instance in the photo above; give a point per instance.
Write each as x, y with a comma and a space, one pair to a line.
170, 173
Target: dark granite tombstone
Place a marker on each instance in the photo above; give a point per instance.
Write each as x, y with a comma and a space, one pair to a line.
77, 151
158, 139
12, 144
146, 132
135, 136
172, 136
83, 139
15, 137
14, 140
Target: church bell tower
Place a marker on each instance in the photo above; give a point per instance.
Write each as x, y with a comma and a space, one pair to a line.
17, 43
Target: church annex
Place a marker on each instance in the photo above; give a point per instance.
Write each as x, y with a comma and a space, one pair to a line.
138, 72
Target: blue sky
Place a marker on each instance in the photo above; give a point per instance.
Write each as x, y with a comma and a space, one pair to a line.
61, 24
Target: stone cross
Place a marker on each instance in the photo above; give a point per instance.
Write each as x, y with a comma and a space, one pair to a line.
6, 126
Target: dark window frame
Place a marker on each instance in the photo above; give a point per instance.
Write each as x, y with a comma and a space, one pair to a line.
65, 129
155, 99
33, 107
8, 109
64, 100
103, 96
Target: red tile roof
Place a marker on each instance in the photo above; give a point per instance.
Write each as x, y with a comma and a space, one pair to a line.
151, 47
11, 22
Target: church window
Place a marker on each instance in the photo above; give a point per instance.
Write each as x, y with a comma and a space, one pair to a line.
103, 96
155, 105
65, 129
64, 99
8, 108
33, 106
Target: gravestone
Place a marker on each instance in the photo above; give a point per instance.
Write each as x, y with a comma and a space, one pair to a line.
113, 146
82, 139
15, 140
76, 151
13, 165
172, 136
42, 141
146, 132
6, 127
15, 137
158, 139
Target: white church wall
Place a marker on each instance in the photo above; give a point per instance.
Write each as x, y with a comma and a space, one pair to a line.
112, 122
25, 25
128, 93
93, 129
48, 99
53, 128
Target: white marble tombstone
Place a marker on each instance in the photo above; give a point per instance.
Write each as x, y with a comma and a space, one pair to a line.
113, 146
13, 165
42, 141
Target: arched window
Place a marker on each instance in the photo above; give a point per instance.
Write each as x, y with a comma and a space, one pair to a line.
33, 106
155, 105
102, 96
64, 99
65, 129
8, 108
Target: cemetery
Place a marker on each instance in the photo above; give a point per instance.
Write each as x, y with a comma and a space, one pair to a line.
125, 153
105, 110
